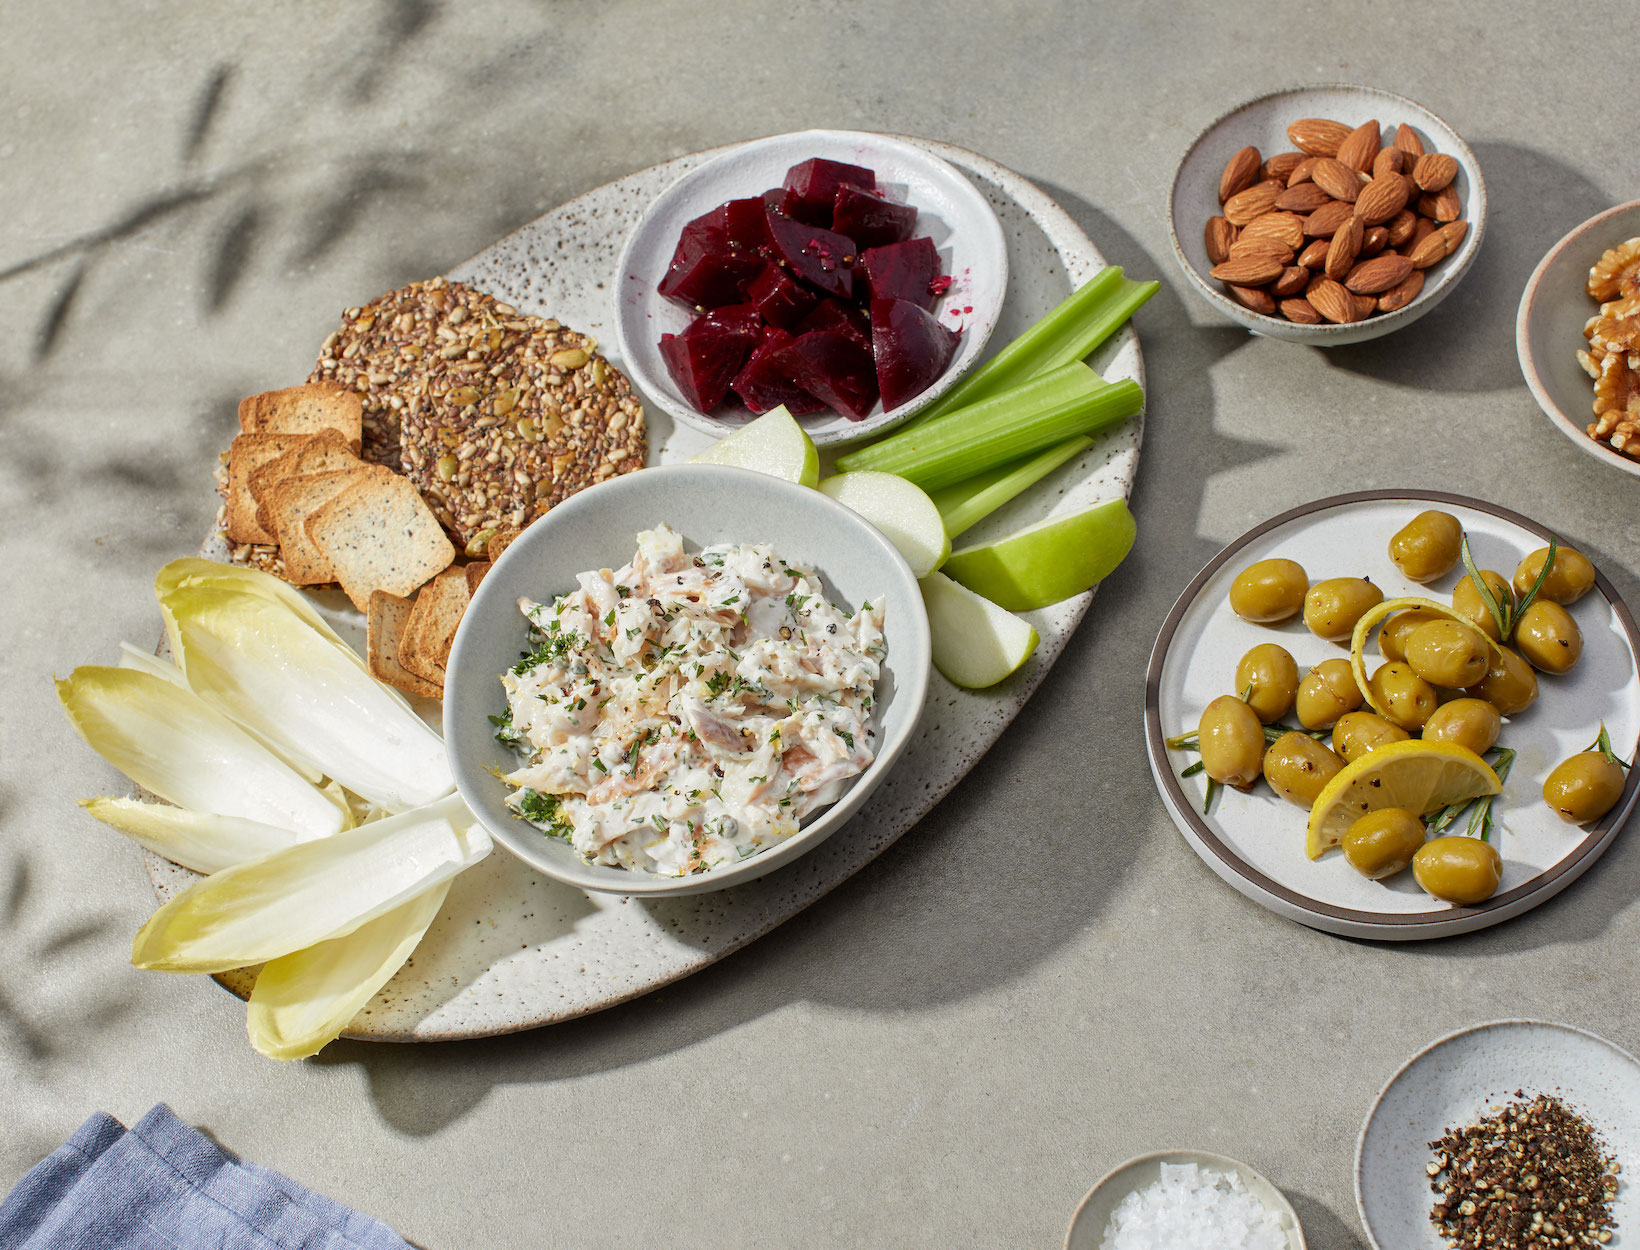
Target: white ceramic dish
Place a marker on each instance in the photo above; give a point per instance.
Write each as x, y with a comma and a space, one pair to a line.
1263, 122
595, 529
1087, 1230
512, 950
1549, 328
950, 210
1461, 1077
1255, 841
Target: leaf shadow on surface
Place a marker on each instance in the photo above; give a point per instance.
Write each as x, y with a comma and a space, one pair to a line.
337, 215
232, 256
1468, 343
399, 23
205, 111
56, 317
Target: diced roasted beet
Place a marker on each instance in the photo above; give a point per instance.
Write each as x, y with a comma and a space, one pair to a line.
698, 278
911, 348
776, 198
822, 259
834, 368
704, 359
779, 298
743, 224
902, 271
836, 315
766, 382
813, 186
869, 219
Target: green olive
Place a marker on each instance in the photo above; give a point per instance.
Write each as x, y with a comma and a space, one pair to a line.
1269, 591
1332, 607
1271, 674
1326, 693
1358, 733
1426, 547
1231, 741
1458, 870
1548, 637
1467, 602
1382, 843
1392, 637
1448, 653
1403, 697
1297, 766
1584, 788
1471, 723
1509, 684
1568, 581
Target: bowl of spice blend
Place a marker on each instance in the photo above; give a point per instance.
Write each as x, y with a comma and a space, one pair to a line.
1175, 1198
1511, 1133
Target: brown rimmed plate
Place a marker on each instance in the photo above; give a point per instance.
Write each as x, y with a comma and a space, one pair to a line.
1255, 841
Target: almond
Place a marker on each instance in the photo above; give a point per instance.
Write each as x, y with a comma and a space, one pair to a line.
1337, 179
1248, 270
1306, 197
1381, 199
1282, 164
1301, 171
1217, 238
1324, 222
1401, 226
1255, 201
1287, 228
1372, 277
1332, 301
1293, 280
1240, 172
1388, 161
1315, 255
1408, 141
1365, 306
1318, 136
1375, 240
1440, 206
1453, 232
1360, 149
1431, 250
1434, 170
1346, 245
1421, 230
1261, 247
1399, 296
1252, 297
1301, 311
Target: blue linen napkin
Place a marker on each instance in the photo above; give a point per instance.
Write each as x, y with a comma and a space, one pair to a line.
165, 1186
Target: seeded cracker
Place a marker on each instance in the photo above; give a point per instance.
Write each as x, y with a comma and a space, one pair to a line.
303, 410
495, 416
291, 502
323, 453
245, 454
380, 535
425, 646
384, 626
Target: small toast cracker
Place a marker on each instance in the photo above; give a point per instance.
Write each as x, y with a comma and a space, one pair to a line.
475, 574
384, 628
325, 452
379, 534
499, 542
247, 453
305, 409
432, 627
291, 502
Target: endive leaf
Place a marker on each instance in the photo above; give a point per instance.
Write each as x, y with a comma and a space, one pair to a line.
202, 841
256, 662
304, 1000
193, 571
167, 740
310, 892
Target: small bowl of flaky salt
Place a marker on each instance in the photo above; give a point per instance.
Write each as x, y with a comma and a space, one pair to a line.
1173, 1198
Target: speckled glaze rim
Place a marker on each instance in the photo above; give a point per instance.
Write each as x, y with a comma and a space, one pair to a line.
1327, 334
1202, 1158
1513, 1022
1386, 925
1528, 365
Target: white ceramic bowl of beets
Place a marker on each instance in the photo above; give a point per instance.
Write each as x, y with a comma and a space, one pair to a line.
752, 281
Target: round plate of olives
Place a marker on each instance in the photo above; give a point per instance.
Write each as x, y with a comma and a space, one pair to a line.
1445, 689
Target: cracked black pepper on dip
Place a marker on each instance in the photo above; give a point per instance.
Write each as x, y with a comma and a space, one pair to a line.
1532, 1174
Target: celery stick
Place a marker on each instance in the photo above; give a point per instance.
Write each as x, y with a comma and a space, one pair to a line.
1085, 319
969, 502
993, 432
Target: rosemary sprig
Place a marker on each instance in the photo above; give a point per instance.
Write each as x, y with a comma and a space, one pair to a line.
1543, 576
1500, 614
1480, 809
1603, 744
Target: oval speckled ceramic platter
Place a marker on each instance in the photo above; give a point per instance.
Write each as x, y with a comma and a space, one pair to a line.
1255, 841
513, 950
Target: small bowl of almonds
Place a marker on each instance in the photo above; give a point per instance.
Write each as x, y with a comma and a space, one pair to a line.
1327, 215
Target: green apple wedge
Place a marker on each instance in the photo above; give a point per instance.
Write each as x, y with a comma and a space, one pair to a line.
902, 511
976, 643
774, 444
1060, 557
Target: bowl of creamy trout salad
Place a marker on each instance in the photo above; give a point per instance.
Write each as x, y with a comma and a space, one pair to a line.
701, 707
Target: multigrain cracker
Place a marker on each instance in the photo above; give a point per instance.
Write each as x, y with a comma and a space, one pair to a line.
305, 409
379, 534
384, 627
325, 452
425, 646
291, 502
246, 453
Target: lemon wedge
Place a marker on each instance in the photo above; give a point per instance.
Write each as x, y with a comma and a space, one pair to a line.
1422, 777
1377, 615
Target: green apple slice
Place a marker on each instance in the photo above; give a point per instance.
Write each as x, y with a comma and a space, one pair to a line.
1045, 563
774, 444
976, 643
903, 511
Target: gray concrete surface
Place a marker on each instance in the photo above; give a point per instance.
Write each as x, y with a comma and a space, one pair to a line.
1042, 979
